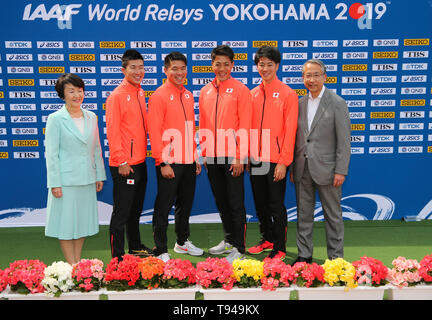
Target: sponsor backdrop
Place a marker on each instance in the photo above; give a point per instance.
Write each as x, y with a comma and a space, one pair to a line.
378, 56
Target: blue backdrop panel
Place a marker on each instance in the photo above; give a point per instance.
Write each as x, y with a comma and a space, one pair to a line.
378, 61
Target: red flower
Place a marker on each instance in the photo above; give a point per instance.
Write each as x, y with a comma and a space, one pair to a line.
426, 269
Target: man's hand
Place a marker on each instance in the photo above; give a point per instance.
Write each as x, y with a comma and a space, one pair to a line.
338, 180
167, 172
125, 170
279, 172
236, 168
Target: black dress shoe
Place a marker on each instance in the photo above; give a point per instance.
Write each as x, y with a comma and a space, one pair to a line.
301, 259
142, 252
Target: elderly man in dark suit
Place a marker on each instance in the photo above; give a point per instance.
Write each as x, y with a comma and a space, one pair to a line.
321, 160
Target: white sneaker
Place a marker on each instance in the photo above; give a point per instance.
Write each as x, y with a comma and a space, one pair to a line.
164, 256
235, 254
222, 247
188, 248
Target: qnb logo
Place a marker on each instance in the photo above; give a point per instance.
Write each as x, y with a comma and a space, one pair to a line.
363, 13
63, 14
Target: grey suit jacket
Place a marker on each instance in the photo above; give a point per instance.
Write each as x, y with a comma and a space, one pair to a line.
326, 145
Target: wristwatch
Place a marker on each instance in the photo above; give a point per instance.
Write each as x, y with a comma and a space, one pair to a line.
122, 164
163, 164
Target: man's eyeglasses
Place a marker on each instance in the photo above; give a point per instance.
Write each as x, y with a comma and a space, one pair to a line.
309, 76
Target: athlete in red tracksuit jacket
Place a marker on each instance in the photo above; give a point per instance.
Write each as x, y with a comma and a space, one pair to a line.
172, 131
126, 123
274, 125
225, 119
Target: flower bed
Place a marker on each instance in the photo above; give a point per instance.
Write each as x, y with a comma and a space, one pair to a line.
251, 279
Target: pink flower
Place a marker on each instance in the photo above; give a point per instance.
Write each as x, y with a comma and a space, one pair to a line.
215, 273
276, 274
26, 276
405, 272
370, 271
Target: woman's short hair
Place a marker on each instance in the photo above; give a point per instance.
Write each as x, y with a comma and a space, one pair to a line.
66, 78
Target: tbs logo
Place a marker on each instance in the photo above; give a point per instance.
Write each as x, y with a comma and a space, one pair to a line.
363, 13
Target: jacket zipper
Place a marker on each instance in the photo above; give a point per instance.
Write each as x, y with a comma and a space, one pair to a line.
187, 127
262, 119
277, 141
142, 115
131, 148
215, 131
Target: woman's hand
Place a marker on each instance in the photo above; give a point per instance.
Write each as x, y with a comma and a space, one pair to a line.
99, 186
57, 192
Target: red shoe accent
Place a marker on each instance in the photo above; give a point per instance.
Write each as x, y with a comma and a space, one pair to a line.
280, 255
264, 246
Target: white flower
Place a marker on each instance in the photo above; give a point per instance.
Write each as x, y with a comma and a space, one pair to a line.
58, 277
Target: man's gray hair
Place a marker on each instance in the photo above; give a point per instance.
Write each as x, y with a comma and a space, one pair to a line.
316, 61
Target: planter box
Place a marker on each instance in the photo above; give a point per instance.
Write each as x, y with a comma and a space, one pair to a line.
74, 295
419, 292
246, 294
341, 293
154, 294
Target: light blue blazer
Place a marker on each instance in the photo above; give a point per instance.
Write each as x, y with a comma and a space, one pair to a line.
72, 159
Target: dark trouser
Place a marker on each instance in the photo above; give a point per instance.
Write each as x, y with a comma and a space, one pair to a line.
127, 208
269, 197
179, 191
229, 195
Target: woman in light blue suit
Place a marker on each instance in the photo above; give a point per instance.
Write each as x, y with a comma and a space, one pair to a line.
75, 169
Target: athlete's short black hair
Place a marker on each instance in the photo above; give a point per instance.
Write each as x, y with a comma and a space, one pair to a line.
222, 50
130, 54
271, 53
173, 56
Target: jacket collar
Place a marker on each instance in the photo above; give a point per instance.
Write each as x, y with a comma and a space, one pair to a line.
129, 86
71, 126
270, 86
168, 84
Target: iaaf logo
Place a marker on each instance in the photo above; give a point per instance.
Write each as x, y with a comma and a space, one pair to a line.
63, 14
